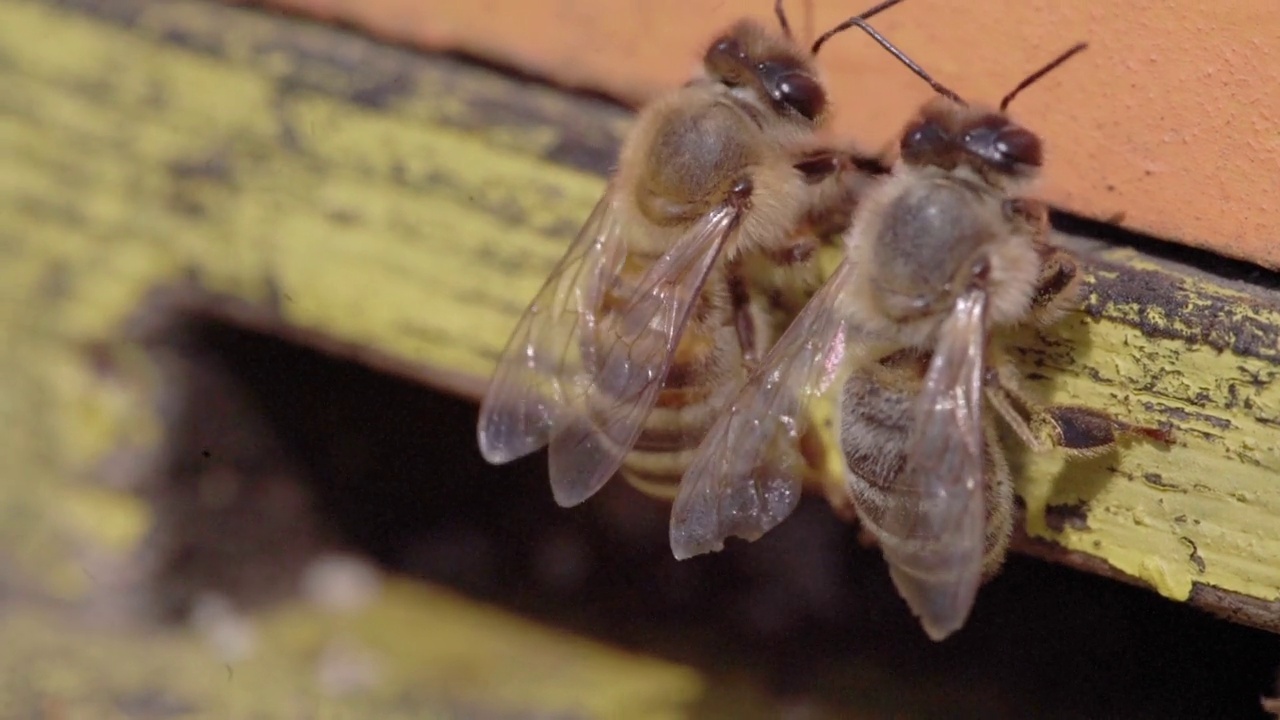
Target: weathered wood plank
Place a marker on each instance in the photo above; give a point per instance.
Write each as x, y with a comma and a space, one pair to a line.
409, 207
140, 158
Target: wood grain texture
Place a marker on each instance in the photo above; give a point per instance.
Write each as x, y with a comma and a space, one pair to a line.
126, 164
407, 208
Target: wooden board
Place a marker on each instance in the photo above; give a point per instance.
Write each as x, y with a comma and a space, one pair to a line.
401, 210
122, 165
305, 662
411, 207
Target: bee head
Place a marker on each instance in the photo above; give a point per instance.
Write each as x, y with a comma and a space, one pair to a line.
948, 135
770, 69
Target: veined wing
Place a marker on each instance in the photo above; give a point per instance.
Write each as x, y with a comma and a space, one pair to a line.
941, 522
531, 390
747, 475
629, 360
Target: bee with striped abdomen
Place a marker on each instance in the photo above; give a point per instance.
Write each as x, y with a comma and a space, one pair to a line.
907, 339
670, 291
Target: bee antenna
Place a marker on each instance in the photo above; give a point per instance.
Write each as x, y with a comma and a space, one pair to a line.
851, 22
938, 87
1030, 79
782, 18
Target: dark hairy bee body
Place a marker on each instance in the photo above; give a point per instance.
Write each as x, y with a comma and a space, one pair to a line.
945, 257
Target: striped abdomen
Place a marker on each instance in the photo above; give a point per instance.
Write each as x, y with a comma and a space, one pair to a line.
705, 369
877, 414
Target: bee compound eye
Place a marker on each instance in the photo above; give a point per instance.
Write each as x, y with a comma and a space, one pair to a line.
802, 94
1018, 146
923, 140
724, 60
1003, 145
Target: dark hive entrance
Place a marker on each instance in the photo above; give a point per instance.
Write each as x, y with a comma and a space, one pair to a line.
275, 452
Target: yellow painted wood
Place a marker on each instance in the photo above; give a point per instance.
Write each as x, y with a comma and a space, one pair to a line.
412, 206
306, 663
96, 207
1206, 511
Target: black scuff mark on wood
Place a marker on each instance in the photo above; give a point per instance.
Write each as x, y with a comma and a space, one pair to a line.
1181, 416
1194, 555
1157, 304
1073, 516
215, 166
1157, 480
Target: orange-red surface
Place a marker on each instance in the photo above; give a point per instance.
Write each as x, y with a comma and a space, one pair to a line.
1170, 120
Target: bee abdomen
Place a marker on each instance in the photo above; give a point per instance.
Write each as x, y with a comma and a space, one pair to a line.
874, 430
669, 437
871, 482
660, 485
666, 447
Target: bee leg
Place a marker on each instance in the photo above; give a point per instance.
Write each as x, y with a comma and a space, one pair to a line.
1087, 431
1034, 213
818, 165
1077, 429
1003, 400
842, 182
802, 249
743, 321
1058, 287
999, 494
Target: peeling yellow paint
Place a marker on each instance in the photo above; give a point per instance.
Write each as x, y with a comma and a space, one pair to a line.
422, 223
110, 185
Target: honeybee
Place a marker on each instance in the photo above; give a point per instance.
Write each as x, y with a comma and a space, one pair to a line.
907, 339
674, 284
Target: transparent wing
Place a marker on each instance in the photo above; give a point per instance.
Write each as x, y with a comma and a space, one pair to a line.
629, 359
941, 513
747, 475
528, 396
